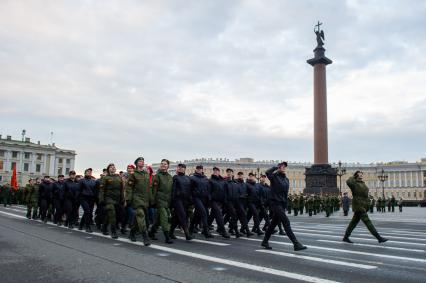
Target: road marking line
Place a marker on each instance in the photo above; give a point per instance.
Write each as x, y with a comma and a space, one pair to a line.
395, 237
318, 259
243, 265
356, 238
13, 215
204, 242
374, 246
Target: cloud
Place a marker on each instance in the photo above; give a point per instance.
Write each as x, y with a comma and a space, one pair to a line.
115, 80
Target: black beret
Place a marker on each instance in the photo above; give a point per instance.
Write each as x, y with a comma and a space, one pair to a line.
137, 159
216, 168
182, 165
199, 167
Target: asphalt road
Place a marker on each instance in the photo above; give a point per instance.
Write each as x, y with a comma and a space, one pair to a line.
31, 251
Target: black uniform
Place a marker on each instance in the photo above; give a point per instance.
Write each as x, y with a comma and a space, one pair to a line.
58, 201
181, 199
46, 198
217, 202
278, 205
71, 192
87, 200
253, 202
200, 188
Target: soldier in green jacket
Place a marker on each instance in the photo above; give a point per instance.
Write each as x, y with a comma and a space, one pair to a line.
111, 194
296, 205
138, 197
162, 194
27, 192
317, 204
360, 206
327, 205
33, 198
310, 205
301, 203
6, 192
289, 203
372, 204
379, 204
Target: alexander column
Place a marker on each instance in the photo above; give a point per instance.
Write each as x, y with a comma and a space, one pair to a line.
320, 177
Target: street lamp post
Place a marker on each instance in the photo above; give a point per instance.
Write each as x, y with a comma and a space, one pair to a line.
383, 178
340, 172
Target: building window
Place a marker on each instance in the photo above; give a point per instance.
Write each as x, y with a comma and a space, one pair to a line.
409, 194
14, 154
26, 167
12, 165
2, 153
39, 156
67, 171
68, 161
415, 194
38, 168
59, 170
1, 164
27, 155
60, 160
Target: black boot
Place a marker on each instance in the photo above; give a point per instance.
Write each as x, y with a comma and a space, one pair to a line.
172, 236
151, 235
266, 245
114, 232
146, 241
132, 235
80, 227
167, 239
382, 240
105, 229
298, 246
207, 233
225, 235
89, 229
346, 239
187, 235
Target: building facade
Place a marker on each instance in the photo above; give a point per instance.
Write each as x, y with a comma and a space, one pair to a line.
405, 180
32, 160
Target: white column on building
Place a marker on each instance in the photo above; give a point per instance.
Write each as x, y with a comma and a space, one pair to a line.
405, 179
411, 179
400, 179
394, 180
52, 165
7, 162
417, 178
33, 162
20, 165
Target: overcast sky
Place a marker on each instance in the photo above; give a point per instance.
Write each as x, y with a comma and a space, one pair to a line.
187, 79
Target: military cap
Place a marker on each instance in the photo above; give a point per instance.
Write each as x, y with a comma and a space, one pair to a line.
181, 165
72, 172
139, 158
59, 176
199, 167
216, 168
251, 174
229, 170
283, 163
240, 173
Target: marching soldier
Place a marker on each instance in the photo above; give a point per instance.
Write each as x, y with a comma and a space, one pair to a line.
218, 199
310, 205
138, 197
253, 202
34, 198
278, 203
181, 200
87, 199
71, 195
58, 199
45, 195
162, 193
289, 203
27, 193
111, 194
393, 203
360, 206
345, 204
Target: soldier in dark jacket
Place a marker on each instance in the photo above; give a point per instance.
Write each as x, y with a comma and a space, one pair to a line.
200, 191
218, 199
111, 194
181, 200
345, 204
263, 189
232, 197
278, 204
360, 206
58, 199
87, 199
241, 204
253, 202
46, 197
71, 195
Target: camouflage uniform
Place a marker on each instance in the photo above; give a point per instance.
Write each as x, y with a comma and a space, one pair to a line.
111, 194
138, 197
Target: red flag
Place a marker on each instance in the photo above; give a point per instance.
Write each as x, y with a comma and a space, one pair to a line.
13, 181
